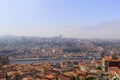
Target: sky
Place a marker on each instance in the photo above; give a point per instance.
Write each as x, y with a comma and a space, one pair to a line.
70, 18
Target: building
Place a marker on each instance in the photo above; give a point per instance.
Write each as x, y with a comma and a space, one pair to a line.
4, 59
114, 73
110, 61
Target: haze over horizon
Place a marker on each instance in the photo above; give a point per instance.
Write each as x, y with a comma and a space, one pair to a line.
70, 18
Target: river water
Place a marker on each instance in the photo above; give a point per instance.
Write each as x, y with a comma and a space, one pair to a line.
50, 60
34, 61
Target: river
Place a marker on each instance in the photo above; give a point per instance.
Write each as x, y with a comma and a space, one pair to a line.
50, 60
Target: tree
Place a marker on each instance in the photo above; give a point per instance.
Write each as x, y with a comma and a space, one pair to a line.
77, 78
99, 68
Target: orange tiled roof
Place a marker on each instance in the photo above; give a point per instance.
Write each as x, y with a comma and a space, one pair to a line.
50, 76
70, 73
112, 70
107, 58
61, 77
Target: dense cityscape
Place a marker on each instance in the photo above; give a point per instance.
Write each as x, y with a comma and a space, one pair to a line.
58, 58
59, 39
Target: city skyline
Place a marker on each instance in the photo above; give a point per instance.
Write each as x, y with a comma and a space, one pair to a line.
45, 18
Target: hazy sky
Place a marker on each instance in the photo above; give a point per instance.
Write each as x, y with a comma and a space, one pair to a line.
71, 18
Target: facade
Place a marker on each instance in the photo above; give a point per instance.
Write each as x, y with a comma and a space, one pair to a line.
114, 73
110, 61
111, 64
